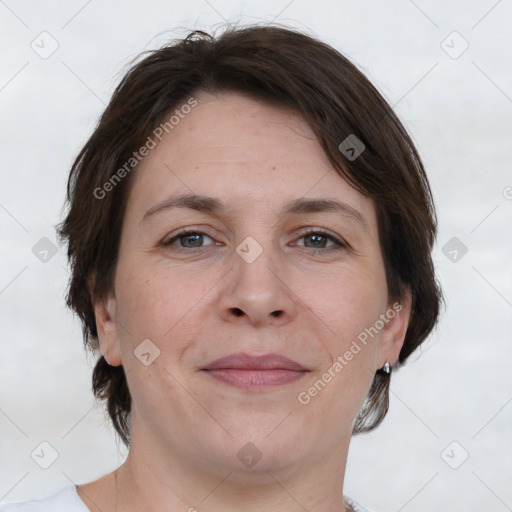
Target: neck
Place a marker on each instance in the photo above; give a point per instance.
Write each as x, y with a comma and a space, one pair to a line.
155, 480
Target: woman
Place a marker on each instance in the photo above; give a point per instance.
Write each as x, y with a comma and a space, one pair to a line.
249, 231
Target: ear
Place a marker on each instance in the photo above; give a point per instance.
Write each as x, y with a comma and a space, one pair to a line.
108, 332
396, 320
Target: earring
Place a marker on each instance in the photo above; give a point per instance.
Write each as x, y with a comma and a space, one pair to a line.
387, 367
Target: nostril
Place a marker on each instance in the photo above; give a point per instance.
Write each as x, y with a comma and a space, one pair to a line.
278, 313
238, 311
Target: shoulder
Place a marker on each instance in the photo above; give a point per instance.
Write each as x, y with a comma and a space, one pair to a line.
66, 500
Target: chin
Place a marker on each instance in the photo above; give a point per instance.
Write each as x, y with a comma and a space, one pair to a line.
259, 447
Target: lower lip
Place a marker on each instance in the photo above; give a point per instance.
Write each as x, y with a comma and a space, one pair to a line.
256, 379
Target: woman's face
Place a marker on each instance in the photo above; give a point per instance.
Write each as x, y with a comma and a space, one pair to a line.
270, 267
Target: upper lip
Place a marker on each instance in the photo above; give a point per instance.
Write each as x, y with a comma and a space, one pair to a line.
243, 361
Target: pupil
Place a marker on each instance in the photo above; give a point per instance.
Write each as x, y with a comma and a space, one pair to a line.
316, 239
194, 243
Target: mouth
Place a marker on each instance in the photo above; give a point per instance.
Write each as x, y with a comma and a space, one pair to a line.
256, 373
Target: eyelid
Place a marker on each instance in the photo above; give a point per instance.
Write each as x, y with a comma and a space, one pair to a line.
339, 243
168, 240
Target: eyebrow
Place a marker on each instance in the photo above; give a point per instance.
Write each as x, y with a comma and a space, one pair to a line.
214, 206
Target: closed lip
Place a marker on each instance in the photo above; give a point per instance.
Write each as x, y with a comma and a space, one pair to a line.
242, 361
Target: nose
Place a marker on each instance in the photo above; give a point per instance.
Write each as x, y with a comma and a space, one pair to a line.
256, 292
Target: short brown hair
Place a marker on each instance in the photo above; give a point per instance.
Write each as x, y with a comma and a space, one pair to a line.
284, 67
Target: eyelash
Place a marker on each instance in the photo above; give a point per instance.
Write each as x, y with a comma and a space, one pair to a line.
339, 244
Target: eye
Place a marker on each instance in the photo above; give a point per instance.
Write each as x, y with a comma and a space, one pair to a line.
315, 239
188, 239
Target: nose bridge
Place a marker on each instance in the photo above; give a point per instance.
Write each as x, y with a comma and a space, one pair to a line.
255, 290
254, 264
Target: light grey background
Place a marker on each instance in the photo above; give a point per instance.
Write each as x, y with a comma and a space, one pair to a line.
459, 112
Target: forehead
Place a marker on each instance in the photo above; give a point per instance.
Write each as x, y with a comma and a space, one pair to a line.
235, 128
245, 151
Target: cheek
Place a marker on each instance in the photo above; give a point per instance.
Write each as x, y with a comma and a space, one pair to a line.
345, 307
162, 303
347, 310
156, 304
347, 303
